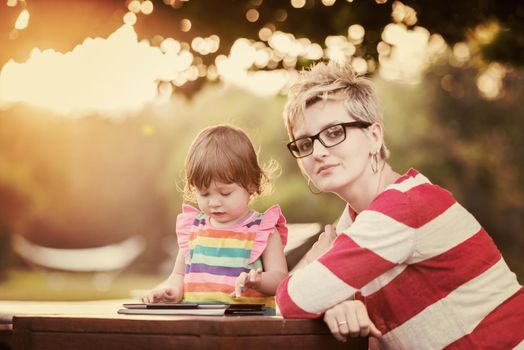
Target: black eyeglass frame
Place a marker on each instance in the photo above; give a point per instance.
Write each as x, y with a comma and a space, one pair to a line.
360, 124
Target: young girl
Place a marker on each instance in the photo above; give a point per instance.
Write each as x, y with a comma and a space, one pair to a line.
228, 253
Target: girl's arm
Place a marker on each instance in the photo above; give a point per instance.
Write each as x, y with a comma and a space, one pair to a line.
275, 270
172, 289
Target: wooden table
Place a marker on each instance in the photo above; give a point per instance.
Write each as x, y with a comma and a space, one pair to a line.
174, 332
108, 330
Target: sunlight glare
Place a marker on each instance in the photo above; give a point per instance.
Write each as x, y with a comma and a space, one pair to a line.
461, 53
356, 34
146, 7
339, 49
113, 75
298, 3
235, 69
134, 6
490, 82
23, 20
408, 55
130, 18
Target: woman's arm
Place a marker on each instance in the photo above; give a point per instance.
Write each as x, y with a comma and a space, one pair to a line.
374, 244
324, 242
275, 270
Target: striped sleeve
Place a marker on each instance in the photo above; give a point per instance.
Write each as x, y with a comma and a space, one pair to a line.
380, 239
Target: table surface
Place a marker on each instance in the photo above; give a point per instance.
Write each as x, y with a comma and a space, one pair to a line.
96, 325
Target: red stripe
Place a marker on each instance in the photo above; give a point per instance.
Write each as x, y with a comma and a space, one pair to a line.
431, 201
410, 173
501, 329
353, 264
287, 307
424, 283
242, 236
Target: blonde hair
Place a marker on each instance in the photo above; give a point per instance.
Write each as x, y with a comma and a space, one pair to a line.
332, 81
223, 153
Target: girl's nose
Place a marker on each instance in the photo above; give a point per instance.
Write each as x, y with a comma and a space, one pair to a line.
214, 202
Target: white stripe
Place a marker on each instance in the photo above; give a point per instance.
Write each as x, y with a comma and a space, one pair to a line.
386, 237
344, 221
316, 295
218, 261
444, 232
409, 183
520, 346
457, 314
382, 280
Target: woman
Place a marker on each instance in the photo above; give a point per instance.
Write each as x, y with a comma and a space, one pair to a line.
422, 267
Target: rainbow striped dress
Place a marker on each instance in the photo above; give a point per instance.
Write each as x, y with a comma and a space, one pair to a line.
214, 257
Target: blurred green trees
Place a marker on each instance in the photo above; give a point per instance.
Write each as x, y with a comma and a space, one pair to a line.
77, 182
91, 181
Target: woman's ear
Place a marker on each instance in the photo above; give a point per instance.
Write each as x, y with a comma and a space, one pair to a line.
376, 133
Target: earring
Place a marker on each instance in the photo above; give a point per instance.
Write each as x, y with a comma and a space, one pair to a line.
374, 163
312, 189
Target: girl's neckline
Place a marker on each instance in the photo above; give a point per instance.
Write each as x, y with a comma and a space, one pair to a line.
246, 218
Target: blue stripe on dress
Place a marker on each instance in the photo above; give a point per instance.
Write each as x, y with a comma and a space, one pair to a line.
216, 270
221, 252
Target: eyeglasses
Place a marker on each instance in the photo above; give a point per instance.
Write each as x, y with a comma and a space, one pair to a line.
328, 137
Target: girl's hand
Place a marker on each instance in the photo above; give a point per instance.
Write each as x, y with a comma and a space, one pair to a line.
165, 295
253, 280
351, 318
324, 242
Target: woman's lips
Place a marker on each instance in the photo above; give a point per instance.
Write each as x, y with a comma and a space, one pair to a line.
325, 168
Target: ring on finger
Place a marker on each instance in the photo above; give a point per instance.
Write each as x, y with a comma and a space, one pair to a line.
342, 323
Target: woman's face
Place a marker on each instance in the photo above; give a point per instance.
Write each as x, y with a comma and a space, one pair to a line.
334, 169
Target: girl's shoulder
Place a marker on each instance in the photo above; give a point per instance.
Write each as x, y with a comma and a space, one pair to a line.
189, 218
264, 224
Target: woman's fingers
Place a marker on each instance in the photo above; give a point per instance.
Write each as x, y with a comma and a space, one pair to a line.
334, 326
353, 325
350, 318
330, 232
367, 327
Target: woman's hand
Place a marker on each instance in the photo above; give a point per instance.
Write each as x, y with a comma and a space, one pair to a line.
324, 242
164, 295
253, 280
351, 318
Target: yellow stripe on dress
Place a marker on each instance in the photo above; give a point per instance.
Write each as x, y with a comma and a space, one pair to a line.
220, 243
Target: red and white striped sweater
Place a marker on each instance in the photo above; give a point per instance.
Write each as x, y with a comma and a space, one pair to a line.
429, 274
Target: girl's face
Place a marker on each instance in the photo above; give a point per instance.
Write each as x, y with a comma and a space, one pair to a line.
224, 204
336, 168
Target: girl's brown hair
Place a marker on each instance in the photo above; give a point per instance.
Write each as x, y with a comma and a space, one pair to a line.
223, 153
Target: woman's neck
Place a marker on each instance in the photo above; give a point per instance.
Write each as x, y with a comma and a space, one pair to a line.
362, 192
